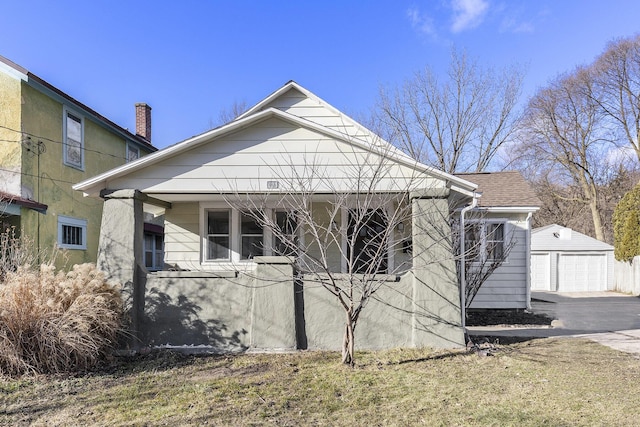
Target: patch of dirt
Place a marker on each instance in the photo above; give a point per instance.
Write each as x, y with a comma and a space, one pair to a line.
506, 318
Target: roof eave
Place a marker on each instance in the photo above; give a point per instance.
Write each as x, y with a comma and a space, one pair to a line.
509, 209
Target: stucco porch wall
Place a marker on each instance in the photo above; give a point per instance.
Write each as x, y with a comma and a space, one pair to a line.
225, 311
259, 310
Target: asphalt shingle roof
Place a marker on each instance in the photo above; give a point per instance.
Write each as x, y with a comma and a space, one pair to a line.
503, 189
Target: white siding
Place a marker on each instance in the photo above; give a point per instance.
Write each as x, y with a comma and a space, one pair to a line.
507, 286
182, 236
271, 151
296, 103
544, 239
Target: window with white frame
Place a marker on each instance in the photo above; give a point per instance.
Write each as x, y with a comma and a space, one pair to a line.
485, 240
133, 152
218, 235
72, 233
251, 236
73, 146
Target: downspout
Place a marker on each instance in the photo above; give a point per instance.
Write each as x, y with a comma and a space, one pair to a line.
528, 260
463, 281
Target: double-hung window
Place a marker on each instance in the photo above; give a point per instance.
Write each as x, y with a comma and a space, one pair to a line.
251, 236
495, 241
485, 241
153, 251
73, 140
218, 235
72, 233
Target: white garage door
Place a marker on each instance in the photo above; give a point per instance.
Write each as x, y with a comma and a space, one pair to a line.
581, 273
541, 272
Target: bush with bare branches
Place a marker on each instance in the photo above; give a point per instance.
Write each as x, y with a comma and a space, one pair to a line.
57, 322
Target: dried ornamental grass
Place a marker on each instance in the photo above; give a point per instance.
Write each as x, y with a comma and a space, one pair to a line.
56, 322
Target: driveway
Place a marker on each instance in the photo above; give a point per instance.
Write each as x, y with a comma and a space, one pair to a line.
610, 318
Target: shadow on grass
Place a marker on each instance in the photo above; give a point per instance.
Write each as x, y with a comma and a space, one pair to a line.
158, 361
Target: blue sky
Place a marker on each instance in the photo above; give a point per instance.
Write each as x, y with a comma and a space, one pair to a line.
191, 59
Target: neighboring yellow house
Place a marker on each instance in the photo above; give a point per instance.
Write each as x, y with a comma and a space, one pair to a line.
49, 141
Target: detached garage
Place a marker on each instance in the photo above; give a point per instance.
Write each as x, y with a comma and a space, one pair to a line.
564, 260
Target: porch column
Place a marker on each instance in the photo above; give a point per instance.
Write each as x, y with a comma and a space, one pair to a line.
120, 250
436, 295
273, 313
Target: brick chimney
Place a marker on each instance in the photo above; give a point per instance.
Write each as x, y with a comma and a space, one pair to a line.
143, 121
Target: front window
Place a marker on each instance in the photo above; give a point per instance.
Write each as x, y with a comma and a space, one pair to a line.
285, 239
367, 241
73, 140
250, 237
72, 233
218, 235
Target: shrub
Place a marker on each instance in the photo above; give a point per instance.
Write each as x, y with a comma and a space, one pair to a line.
13, 251
57, 322
626, 226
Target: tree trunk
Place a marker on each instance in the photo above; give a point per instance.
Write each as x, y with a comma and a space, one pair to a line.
348, 346
597, 221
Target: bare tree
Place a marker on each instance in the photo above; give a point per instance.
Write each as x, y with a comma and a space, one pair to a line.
616, 75
457, 124
565, 138
229, 114
346, 231
484, 248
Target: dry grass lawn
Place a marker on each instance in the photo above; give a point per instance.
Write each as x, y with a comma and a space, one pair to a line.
555, 382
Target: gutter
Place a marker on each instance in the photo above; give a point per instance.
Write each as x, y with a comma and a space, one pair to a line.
463, 279
528, 261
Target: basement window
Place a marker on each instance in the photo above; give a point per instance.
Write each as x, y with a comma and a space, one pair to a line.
72, 233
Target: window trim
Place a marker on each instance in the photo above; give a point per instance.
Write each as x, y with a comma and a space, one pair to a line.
65, 157
154, 251
72, 222
131, 146
484, 254
235, 235
205, 235
242, 235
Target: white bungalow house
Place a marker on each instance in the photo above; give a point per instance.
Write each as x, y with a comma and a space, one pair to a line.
226, 285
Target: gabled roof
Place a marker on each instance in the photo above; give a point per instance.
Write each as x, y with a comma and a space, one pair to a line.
262, 111
504, 190
555, 237
24, 74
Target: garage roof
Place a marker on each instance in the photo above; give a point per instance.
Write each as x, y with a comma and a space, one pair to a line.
555, 237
